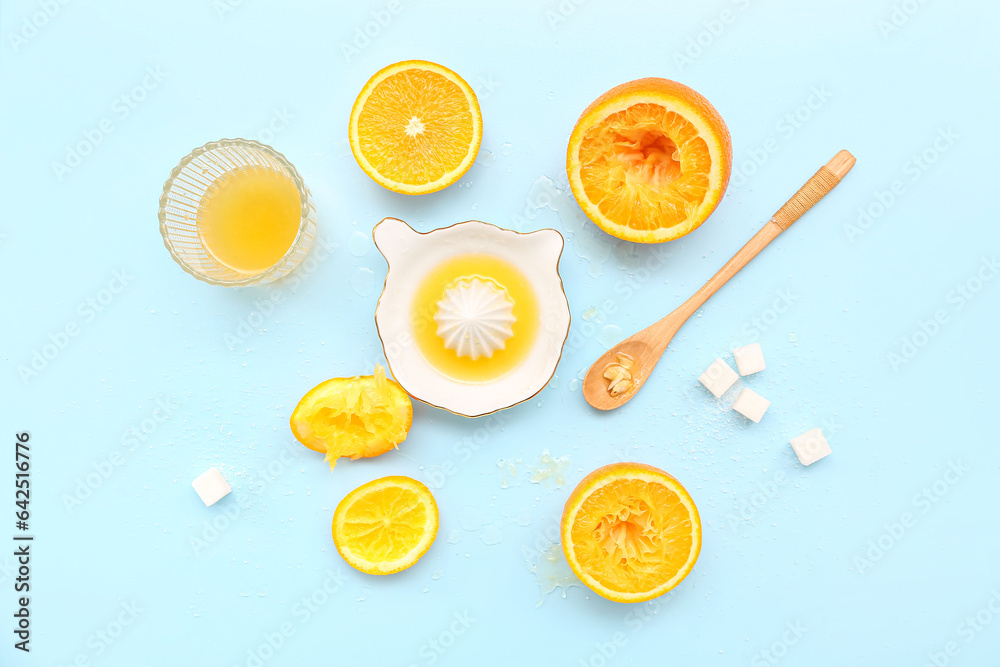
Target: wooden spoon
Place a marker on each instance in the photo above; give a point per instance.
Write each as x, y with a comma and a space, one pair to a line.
638, 354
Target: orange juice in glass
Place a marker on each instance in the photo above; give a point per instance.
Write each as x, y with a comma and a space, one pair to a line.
235, 212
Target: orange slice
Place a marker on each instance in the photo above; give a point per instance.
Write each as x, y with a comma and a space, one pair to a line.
416, 127
386, 525
630, 532
649, 161
356, 417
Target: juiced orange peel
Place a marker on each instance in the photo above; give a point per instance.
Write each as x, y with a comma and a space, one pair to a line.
357, 417
630, 532
649, 160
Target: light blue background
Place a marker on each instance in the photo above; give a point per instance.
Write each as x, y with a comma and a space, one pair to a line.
769, 562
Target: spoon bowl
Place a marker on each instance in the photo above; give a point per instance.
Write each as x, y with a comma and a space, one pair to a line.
596, 388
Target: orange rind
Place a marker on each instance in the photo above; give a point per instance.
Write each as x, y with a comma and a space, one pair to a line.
630, 532
416, 127
649, 160
357, 417
386, 525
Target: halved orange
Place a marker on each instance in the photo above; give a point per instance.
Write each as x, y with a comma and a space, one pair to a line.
649, 160
630, 532
357, 417
386, 525
416, 127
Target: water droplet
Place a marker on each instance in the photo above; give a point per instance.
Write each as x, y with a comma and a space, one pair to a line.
486, 159
454, 537
359, 244
491, 535
506, 148
469, 518
609, 336
437, 574
363, 281
342, 148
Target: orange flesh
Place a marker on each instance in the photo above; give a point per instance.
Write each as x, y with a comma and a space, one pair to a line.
632, 535
416, 126
385, 526
645, 167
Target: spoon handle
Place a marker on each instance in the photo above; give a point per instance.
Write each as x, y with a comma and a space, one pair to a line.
815, 188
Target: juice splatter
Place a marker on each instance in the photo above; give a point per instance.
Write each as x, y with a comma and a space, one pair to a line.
551, 572
550, 470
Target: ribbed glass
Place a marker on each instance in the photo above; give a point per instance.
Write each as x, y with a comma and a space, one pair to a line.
182, 196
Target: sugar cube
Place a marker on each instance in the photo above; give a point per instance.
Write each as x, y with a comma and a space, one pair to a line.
718, 377
749, 359
211, 486
811, 446
751, 405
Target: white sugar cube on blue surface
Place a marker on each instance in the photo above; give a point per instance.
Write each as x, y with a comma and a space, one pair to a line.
211, 486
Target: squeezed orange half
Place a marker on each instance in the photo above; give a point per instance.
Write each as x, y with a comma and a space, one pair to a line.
630, 532
357, 417
649, 160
